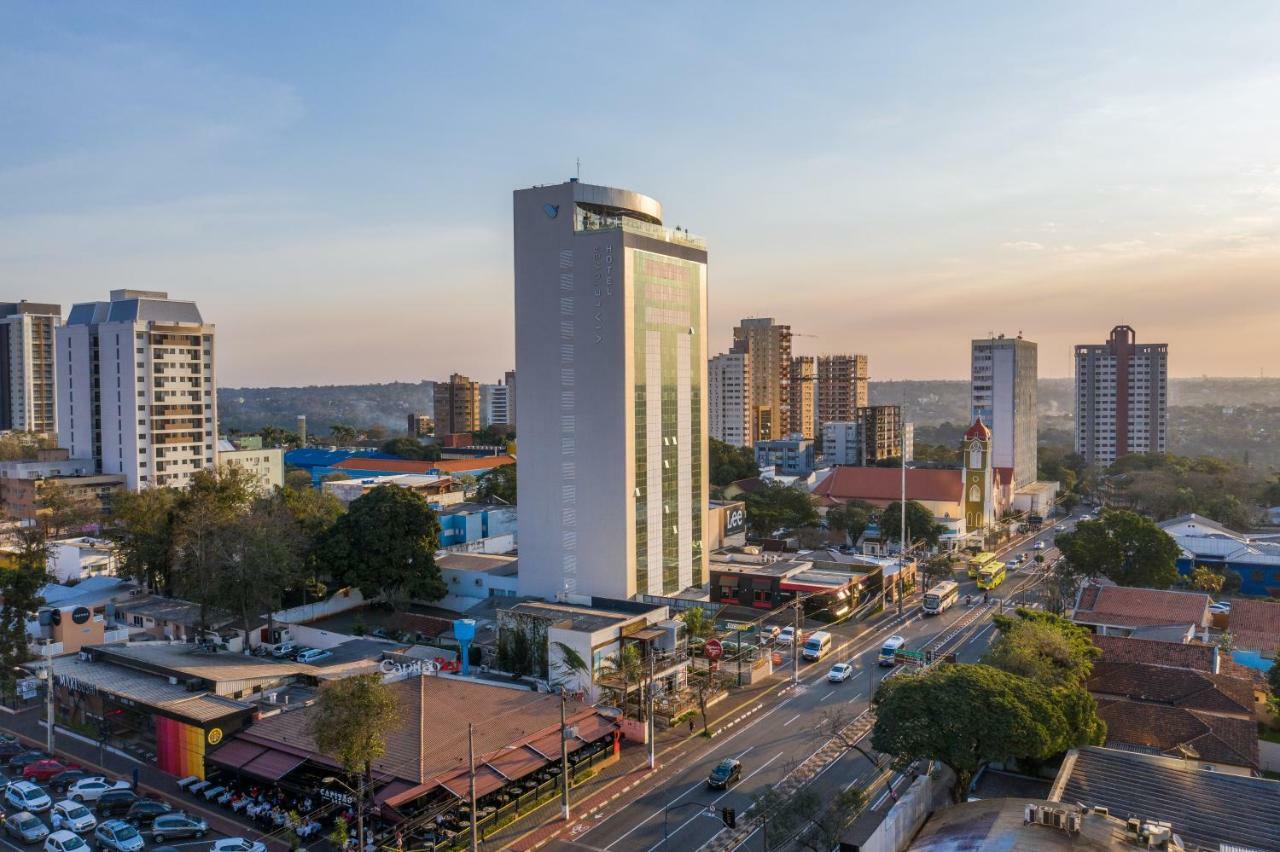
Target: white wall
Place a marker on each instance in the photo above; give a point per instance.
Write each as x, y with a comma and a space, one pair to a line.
340, 601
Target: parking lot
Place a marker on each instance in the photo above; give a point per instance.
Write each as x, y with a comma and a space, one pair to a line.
13, 836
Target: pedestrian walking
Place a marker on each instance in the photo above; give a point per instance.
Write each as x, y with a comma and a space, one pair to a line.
690, 723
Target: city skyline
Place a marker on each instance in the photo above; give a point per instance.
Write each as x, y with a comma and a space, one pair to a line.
884, 172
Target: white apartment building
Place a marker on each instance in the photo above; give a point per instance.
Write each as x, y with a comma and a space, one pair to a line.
265, 464
495, 405
729, 399
611, 318
136, 388
28, 399
1122, 397
1004, 394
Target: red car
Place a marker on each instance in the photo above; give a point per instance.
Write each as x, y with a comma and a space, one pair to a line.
42, 770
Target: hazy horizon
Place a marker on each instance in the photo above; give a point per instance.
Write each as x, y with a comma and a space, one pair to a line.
332, 184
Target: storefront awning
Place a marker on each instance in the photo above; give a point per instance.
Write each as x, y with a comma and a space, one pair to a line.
486, 782
514, 763
549, 745
236, 753
594, 727
273, 765
814, 588
393, 788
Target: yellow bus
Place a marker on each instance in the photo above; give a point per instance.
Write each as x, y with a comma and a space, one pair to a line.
977, 562
991, 575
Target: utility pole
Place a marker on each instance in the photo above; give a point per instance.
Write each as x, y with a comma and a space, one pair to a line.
652, 728
471, 762
360, 813
902, 530
795, 645
564, 763
48, 691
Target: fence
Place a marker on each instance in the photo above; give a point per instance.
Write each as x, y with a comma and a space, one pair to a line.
341, 601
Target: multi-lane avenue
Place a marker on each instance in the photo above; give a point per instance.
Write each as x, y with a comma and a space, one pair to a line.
794, 722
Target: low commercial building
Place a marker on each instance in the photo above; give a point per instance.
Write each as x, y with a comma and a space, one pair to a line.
172, 618
266, 465
940, 491
1144, 613
365, 466
764, 583
25, 485
73, 617
475, 577
789, 456
74, 559
461, 523
1206, 543
439, 491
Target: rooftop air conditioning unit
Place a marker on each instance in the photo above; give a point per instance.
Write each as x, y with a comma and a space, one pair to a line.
1060, 818
1045, 815
1074, 820
194, 684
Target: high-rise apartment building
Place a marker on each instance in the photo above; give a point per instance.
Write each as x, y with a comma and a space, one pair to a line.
28, 399
1122, 397
421, 425
842, 387
769, 347
495, 405
1003, 392
876, 433
611, 311
729, 399
803, 394
136, 388
457, 405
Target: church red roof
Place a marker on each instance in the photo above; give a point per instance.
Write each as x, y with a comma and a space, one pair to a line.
978, 430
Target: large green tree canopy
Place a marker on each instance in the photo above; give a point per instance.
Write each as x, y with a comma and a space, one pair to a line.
1124, 547
385, 545
921, 525
775, 506
730, 463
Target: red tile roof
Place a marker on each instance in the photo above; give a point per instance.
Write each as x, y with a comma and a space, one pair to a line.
978, 430
467, 465
1255, 625
1216, 739
884, 484
386, 465
1152, 652
1173, 687
1123, 606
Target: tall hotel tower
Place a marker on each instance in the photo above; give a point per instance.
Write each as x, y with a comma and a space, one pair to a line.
611, 320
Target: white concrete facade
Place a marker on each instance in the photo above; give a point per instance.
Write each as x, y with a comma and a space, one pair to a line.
1004, 394
495, 405
729, 398
266, 465
611, 353
136, 388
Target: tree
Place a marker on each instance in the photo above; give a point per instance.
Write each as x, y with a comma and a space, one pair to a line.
204, 530
274, 436
315, 512
850, 518
936, 569
411, 448
1126, 548
143, 533
385, 544
626, 667
1043, 647
350, 723
262, 557
570, 665
20, 584
1273, 681
730, 463
967, 715
828, 817
776, 506
706, 684
62, 510
343, 436
498, 485
297, 478
921, 525
492, 436
696, 623
1205, 579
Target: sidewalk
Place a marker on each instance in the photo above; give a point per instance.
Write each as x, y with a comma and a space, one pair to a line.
28, 725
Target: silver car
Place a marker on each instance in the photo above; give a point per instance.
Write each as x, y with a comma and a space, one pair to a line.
26, 827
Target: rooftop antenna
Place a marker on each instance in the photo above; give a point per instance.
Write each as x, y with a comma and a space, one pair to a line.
578, 162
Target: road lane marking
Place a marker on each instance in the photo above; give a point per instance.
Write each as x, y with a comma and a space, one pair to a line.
747, 778
828, 695
792, 719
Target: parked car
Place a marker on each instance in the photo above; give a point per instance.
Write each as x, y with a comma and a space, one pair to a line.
42, 770
786, 636
118, 836
727, 772
65, 841
25, 796
236, 844
24, 759
64, 779
144, 811
312, 655
1039, 545
72, 815
768, 633
116, 802
92, 788
839, 673
9, 748
301, 649
26, 827
284, 649
1220, 608
177, 824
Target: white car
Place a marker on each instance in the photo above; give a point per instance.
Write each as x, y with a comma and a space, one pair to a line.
768, 633
90, 789
786, 636
312, 655
1220, 608
25, 796
1039, 545
839, 673
65, 841
72, 815
236, 844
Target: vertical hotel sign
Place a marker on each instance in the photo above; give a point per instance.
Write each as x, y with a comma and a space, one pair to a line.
568, 428
180, 747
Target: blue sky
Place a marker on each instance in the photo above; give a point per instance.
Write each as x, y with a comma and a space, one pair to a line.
331, 182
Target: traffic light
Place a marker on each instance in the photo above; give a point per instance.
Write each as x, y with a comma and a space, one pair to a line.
729, 817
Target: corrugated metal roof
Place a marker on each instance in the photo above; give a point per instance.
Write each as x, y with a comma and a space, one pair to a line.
153, 690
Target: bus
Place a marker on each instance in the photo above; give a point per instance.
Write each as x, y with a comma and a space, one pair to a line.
890, 650
991, 575
938, 599
977, 562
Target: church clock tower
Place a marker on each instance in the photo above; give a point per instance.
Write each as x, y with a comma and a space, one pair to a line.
979, 500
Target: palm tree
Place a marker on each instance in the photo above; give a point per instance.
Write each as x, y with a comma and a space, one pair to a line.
570, 665
625, 666
696, 623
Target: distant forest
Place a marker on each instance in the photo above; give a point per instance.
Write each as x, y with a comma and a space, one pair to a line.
1236, 419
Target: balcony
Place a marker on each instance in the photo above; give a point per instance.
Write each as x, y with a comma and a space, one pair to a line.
593, 222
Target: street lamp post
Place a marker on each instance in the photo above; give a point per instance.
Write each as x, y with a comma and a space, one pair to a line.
46, 675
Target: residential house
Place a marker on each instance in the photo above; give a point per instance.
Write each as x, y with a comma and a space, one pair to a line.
1145, 613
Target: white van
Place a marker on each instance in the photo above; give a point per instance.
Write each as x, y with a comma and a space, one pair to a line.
817, 645
890, 649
